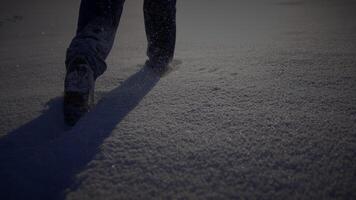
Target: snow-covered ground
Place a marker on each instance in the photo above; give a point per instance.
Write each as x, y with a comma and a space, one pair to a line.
260, 105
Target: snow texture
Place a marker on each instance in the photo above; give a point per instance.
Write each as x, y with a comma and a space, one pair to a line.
261, 104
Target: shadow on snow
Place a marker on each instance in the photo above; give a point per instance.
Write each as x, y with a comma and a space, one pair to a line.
40, 159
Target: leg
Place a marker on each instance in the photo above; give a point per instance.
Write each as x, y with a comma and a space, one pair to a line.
97, 25
160, 25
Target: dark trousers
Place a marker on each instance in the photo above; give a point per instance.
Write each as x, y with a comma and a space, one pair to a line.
99, 20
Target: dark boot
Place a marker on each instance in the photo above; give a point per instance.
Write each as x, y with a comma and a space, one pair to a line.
78, 91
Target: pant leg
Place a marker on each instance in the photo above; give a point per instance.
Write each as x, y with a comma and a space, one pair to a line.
97, 25
160, 26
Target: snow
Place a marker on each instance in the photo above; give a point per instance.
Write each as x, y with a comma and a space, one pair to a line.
262, 105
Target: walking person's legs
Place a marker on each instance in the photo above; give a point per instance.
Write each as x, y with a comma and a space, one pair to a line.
160, 26
85, 60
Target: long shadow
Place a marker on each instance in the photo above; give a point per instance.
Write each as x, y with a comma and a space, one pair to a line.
40, 159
